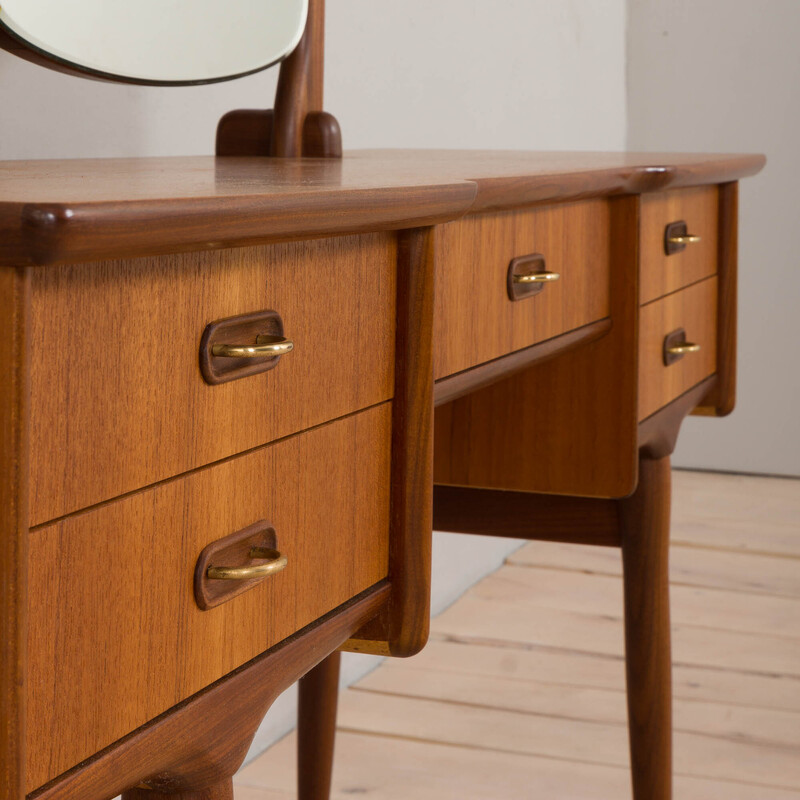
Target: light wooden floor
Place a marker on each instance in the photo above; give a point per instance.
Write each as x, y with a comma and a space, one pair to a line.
520, 692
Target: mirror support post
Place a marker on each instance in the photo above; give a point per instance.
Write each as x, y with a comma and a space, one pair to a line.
300, 85
297, 126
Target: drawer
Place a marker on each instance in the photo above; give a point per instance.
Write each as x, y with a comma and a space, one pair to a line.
694, 310
111, 603
662, 273
475, 321
118, 400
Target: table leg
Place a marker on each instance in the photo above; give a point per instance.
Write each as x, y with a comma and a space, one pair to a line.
316, 729
644, 522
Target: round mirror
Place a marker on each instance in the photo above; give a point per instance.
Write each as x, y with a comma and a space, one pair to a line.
156, 41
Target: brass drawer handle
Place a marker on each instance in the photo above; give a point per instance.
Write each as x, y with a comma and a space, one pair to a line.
688, 238
527, 276
277, 562
225, 567
683, 349
676, 347
537, 277
677, 236
265, 346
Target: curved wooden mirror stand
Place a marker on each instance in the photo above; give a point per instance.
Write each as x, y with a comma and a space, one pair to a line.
296, 126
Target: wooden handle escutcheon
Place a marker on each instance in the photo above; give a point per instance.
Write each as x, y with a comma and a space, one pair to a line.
676, 347
527, 276
238, 347
237, 563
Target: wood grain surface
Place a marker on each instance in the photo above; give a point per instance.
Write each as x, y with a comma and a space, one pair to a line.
475, 321
208, 204
245, 132
721, 525
524, 515
196, 744
695, 310
722, 399
79, 210
222, 790
412, 447
121, 578
567, 426
661, 273
459, 384
124, 403
300, 85
318, 693
14, 407
644, 523
322, 136
509, 179
403, 630
658, 433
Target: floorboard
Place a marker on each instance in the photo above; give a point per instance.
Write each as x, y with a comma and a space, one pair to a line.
690, 565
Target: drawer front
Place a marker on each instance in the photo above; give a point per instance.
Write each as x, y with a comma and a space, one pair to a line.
662, 273
118, 400
475, 320
111, 603
694, 310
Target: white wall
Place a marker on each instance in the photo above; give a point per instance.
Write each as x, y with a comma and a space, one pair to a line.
532, 74
45, 114
724, 76
520, 74
449, 73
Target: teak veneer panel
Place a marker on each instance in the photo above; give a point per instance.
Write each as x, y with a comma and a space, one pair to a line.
118, 401
200, 740
86, 209
661, 273
14, 399
475, 321
722, 399
115, 636
565, 426
412, 448
54, 212
512, 179
403, 629
695, 310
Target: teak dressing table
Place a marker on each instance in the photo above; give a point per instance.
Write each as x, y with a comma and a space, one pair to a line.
238, 392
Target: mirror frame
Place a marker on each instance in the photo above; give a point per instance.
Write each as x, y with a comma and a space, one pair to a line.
12, 43
297, 126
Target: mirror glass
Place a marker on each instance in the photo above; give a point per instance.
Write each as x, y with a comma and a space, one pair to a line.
159, 41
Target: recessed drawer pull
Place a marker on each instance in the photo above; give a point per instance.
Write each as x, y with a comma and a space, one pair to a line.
265, 346
527, 276
277, 562
677, 236
238, 347
224, 569
537, 277
676, 346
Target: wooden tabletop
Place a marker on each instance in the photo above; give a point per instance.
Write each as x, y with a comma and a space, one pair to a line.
55, 211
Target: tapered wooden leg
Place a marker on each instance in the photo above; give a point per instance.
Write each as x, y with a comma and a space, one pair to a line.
644, 522
316, 729
219, 791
